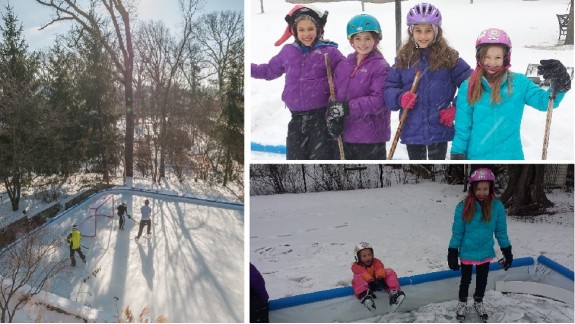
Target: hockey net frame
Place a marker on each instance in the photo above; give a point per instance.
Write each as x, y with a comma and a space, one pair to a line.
97, 208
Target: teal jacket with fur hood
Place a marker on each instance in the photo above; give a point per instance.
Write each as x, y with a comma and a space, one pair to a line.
475, 239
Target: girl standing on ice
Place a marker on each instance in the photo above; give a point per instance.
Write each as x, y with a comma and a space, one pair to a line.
429, 125
306, 91
359, 114
477, 219
369, 275
488, 119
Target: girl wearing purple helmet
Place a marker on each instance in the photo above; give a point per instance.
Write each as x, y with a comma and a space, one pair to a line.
429, 125
478, 218
488, 119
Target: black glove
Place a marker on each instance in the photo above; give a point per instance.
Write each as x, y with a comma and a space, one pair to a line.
336, 113
458, 157
508, 257
556, 73
453, 259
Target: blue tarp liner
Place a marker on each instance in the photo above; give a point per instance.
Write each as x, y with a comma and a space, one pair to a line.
278, 149
339, 304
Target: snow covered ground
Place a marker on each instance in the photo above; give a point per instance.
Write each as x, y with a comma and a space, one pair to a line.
532, 26
187, 269
304, 243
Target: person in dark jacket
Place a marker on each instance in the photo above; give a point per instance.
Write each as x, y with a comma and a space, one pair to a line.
259, 309
429, 125
306, 91
122, 209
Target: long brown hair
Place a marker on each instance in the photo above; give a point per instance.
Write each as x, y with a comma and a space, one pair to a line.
469, 207
495, 80
441, 55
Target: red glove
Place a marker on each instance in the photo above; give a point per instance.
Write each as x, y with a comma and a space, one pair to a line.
407, 100
447, 116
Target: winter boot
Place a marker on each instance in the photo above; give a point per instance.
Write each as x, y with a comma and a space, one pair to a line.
480, 310
461, 310
73, 262
84, 260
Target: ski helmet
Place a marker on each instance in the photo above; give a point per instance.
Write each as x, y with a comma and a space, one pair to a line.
74, 226
494, 36
318, 16
424, 13
481, 174
361, 246
363, 23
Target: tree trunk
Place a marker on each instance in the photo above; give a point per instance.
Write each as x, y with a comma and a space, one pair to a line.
524, 195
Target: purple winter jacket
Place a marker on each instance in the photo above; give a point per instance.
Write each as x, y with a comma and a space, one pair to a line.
306, 87
368, 121
435, 92
258, 284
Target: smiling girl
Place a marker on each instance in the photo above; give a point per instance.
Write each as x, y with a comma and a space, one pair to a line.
359, 112
429, 125
488, 119
478, 218
306, 91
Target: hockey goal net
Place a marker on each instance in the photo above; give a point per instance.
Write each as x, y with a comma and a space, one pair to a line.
101, 207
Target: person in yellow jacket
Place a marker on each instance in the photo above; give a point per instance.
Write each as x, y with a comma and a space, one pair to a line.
74, 240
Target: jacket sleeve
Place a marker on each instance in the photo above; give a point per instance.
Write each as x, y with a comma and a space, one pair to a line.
272, 70
535, 96
379, 269
460, 72
359, 270
69, 238
463, 122
501, 225
393, 89
373, 103
458, 227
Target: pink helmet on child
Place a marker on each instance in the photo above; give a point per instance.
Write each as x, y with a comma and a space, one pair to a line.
494, 36
482, 174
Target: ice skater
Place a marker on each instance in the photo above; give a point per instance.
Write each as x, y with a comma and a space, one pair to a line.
122, 209
146, 219
477, 219
370, 275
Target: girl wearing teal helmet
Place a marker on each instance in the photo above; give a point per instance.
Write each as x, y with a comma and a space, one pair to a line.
359, 114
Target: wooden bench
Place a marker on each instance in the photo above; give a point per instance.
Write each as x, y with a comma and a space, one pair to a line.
563, 23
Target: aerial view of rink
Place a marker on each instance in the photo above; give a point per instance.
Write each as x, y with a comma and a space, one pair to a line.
189, 269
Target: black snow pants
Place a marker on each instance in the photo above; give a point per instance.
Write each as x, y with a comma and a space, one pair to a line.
482, 271
79, 250
308, 138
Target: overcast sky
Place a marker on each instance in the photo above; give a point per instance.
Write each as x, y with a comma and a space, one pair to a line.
33, 15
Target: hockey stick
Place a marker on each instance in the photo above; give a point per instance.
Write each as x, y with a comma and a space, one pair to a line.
548, 120
332, 99
130, 217
85, 247
403, 117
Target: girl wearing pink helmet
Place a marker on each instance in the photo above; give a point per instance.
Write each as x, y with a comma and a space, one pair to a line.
429, 125
488, 119
478, 218
370, 275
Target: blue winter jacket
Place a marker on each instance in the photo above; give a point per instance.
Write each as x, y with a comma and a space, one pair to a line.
489, 131
475, 239
435, 93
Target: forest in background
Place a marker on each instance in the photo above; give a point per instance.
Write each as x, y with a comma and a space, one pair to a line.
116, 101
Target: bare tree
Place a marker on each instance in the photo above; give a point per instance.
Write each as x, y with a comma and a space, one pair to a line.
218, 33
27, 268
119, 15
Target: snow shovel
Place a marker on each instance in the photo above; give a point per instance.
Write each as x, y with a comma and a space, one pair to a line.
403, 117
332, 99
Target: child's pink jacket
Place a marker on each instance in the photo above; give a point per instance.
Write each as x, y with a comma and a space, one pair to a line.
363, 275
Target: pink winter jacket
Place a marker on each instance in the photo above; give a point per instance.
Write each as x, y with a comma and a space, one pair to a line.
369, 273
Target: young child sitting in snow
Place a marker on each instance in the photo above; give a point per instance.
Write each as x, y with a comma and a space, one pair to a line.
370, 275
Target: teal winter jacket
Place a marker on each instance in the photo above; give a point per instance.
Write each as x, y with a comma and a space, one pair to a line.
475, 239
489, 131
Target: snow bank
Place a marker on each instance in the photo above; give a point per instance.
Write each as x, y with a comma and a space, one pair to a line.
62, 305
339, 304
